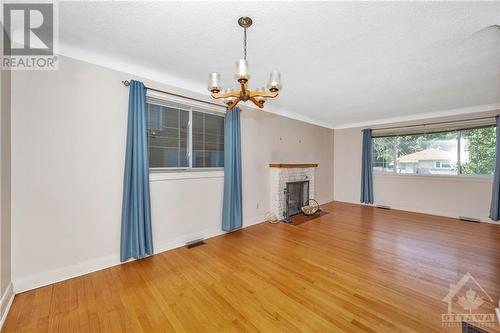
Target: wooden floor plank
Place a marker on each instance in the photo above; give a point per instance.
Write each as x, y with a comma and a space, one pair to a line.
356, 269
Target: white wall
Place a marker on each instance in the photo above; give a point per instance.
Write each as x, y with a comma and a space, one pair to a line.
439, 195
68, 147
6, 294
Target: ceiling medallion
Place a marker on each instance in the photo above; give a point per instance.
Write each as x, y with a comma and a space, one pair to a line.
257, 96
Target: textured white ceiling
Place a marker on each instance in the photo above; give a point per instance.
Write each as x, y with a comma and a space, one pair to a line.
341, 62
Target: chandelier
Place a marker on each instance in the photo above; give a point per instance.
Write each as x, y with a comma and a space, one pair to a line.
233, 97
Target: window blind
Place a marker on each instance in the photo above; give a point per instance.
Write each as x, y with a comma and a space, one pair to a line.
437, 127
182, 136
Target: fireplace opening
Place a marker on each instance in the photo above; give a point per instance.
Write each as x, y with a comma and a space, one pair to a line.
296, 195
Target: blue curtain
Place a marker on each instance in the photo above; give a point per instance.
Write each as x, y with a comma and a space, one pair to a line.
366, 168
136, 235
495, 194
231, 208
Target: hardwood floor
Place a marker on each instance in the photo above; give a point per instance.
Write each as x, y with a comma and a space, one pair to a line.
356, 269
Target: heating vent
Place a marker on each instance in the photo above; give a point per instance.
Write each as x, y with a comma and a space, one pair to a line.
469, 219
195, 243
383, 207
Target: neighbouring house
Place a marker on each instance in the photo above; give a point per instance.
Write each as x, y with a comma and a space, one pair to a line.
428, 161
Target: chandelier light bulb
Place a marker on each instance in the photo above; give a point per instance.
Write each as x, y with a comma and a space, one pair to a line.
242, 70
274, 83
214, 85
230, 98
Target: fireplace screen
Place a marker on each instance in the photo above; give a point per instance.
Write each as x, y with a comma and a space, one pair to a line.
296, 195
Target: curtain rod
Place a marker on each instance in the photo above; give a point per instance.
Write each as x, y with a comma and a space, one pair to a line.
126, 83
435, 123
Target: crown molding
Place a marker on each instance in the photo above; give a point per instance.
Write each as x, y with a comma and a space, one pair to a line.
292, 115
150, 74
197, 88
425, 115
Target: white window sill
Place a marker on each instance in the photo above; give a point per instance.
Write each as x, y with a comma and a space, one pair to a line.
184, 174
459, 178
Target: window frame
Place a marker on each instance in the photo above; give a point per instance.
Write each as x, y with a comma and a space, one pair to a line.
156, 99
459, 175
446, 166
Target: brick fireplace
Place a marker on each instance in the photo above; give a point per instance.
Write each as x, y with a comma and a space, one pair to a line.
283, 174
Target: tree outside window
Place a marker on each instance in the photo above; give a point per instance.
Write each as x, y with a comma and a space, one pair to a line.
468, 152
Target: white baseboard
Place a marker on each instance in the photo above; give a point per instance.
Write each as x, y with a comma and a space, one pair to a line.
418, 210
82, 268
323, 201
5, 303
249, 221
60, 274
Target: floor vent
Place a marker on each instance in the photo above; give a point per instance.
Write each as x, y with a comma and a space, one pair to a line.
469, 219
383, 207
195, 243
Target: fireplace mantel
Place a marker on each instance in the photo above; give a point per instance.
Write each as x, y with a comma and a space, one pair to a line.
293, 165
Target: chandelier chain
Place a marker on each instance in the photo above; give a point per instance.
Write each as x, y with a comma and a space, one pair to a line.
245, 43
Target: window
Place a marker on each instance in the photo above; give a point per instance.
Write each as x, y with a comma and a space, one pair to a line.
478, 151
183, 137
208, 140
383, 154
457, 152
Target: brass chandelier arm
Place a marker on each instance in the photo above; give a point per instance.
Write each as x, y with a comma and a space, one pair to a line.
262, 94
260, 104
244, 95
250, 94
226, 95
233, 103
